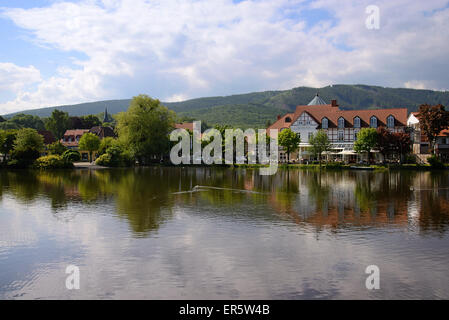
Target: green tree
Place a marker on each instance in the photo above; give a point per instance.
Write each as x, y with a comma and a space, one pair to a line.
89, 142
58, 123
366, 140
289, 140
56, 148
105, 144
90, 121
8, 125
28, 121
28, 145
144, 128
320, 143
7, 138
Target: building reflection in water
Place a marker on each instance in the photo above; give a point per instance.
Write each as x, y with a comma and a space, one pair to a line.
328, 199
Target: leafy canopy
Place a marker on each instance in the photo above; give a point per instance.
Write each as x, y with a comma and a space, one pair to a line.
145, 127
432, 119
320, 142
58, 123
366, 140
28, 144
289, 140
89, 142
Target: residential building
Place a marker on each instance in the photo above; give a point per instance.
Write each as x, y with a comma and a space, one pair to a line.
71, 138
420, 142
341, 126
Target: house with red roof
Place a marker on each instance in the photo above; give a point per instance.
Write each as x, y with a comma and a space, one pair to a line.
341, 126
72, 137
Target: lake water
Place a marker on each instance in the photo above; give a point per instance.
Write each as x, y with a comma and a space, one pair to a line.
208, 233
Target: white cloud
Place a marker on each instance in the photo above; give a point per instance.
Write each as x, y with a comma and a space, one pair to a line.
200, 48
15, 78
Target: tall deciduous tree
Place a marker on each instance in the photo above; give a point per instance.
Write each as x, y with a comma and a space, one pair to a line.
384, 141
145, 128
366, 140
28, 145
58, 123
432, 119
320, 143
289, 140
89, 142
402, 143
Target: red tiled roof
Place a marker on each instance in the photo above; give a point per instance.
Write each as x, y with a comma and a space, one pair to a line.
184, 125
76, 132
334, 113
73, 133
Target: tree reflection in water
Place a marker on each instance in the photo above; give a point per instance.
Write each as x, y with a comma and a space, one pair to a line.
146, 197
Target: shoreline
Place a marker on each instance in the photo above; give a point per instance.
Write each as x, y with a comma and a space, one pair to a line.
330, 166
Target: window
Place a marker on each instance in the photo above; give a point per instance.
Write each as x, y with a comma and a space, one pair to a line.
341, 136
356, 122
288, 119
324, 123
355, 135
390, 122
341, 122
373, 122
310, 135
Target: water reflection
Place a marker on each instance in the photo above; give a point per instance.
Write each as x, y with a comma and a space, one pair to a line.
220, 233
145, 197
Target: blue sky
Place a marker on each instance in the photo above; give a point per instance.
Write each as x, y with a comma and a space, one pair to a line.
65, 52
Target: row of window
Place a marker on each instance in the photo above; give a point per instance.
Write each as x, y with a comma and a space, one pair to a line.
357, 121
341, 135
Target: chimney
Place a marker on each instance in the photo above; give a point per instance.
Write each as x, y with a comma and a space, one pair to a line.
279, 116
334, 103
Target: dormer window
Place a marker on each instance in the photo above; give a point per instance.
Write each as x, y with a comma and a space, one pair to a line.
390, 122
341, 123
288, 119
373, 122
356, 122
324, 123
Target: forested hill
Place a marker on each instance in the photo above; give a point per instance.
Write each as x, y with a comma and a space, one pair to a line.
255, 109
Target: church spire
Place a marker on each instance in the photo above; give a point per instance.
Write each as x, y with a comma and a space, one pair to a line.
106, 117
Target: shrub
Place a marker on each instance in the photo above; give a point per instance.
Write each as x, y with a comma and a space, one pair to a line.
56, 148
52, 162
106, 143
334, 165
435, 162
410, 159
71, 156
115, 156
104, 160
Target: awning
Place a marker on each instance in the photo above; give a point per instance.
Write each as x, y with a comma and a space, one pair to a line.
347, 152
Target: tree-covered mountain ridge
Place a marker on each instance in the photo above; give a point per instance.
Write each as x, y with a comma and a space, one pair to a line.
257, 108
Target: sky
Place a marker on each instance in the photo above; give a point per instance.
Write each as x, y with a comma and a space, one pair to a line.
67, 52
